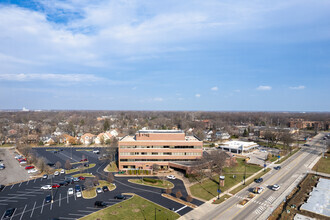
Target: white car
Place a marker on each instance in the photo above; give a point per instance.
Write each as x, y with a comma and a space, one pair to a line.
22, 162
96, 151
171, 177
18, 157
62, 171
32, 171
275, 187
98, 190
46, 187
56, 173
70, 191
78, 194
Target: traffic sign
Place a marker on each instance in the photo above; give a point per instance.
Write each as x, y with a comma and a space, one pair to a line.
219, 190
265, 165
278, 156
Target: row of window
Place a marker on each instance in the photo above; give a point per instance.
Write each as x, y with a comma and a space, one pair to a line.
140, 160
158, 147
161, 153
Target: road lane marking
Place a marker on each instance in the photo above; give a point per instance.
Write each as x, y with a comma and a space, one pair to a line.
20, 184
34, 180
23, 212
4, 188
180, 209
13, 214
60, 200
12, 186
3, 204
42, 207
81, 215
51, 205
67, 218
85, 211
3, 215
27, 182
33, 209
67, 198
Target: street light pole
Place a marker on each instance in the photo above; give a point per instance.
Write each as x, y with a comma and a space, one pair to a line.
244, 173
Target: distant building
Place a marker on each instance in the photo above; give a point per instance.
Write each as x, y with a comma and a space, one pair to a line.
238, 147
87, 138
160, 147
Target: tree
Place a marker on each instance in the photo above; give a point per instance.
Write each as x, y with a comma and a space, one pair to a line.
110, 177
245, 133
58, 165
178, 194
287, 140
96, 180
68, 165
106, 125
41, 164
155, 167
189, 198
89, 183
168, 191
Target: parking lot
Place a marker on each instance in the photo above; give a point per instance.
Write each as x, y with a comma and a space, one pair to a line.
29, 199
13, 172
258, 156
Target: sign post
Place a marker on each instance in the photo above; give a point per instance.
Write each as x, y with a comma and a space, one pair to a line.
219, 191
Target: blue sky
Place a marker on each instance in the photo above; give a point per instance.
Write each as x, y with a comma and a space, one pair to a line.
169, 55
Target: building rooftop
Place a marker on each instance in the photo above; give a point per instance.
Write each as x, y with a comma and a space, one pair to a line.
160, 131
133, 139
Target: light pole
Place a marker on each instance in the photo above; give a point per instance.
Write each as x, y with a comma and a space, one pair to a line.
244, 173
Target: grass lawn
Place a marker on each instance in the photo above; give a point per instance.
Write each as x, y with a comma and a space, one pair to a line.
84, 175
323, 165
166, 184
135, 208
112, 167
76, 169
7, 145
282, 159
91, 193
79, 162
208, 188
222, 198
239, 188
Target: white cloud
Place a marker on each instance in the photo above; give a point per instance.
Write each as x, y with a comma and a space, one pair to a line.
297, 87
264, 88
215, 88
198, 95
22, 77
237, 90
158, 99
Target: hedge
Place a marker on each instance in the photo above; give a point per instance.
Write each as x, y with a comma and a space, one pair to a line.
149, 180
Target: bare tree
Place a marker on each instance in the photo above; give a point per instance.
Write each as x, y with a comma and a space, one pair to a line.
67, 165
110, 177
155, 167
89, 183
58, 165
41, 164
287, 140
96, 180
189, 198
168, 191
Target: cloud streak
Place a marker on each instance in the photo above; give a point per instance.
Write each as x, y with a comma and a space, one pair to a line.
264, 88
297, 87
23, 77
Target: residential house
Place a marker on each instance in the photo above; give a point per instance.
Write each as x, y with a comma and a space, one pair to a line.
87, 138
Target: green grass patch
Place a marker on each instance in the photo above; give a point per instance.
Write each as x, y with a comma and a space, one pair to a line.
7, 145
91, 193
282, 159
52, 150
239, 188
79, 162
222, 199
76, 169
84, 149
207, 189
112, 167
159, 183
323, 165
83, 174
136, 208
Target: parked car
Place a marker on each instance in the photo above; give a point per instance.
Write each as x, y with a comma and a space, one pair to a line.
77, 188
275, 187
83, 187
2, 187
277, 168
98, 190
48, 198
75, 179
51, 164
64, 183
2, 166
100, 204
171, 177
18, 156
32, 171
29, 167
56, 186
9, 213
120, 197
62, 171
45, 176
23, 162
70, 191
86, 165
81, 178
46, 187
56, 173
105, 189
78, 194
96, 151
83, 160
259, 180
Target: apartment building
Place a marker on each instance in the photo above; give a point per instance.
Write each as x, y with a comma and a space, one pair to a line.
161, 147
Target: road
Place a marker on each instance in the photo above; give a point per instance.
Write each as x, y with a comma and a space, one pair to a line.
292, 170
29, 199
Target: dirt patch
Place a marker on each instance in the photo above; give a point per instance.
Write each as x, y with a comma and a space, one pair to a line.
136, 210
114, 213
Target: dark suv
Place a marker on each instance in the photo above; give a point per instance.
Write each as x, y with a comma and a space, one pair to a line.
259, 180
8, 213
100, 204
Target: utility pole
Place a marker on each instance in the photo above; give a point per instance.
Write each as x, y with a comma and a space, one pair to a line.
244, 173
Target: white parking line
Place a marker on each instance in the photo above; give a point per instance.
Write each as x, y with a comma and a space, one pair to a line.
4, 188
92, 208
12, 186
51, 205
20, 184
3, 215
180, 209
67, 198
27, 182
66, 218
3, 204
33, 209
34, 180
75, 198
42, 207
85, 211
23, 212
60, 200
81, 215
13, 214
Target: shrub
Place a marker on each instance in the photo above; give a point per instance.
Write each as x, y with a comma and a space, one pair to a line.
189, 198
150, 180
178, 194
130, 172
168, 191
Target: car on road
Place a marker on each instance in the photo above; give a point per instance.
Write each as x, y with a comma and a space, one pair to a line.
100, 204
258, 190
277, 168
98, 190
96, 151
56, 173
2, 166
46, 187
171, 177
81, 178
83, 160
105, 189
77, 188
48, 198
55, 186
259, 180
62, 171
29, 167
275, 187
70, 191
120, 196
307, 145
32, 171
45, 176
9, 213
78, 194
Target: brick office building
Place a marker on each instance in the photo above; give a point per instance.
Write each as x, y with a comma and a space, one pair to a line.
161, 147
